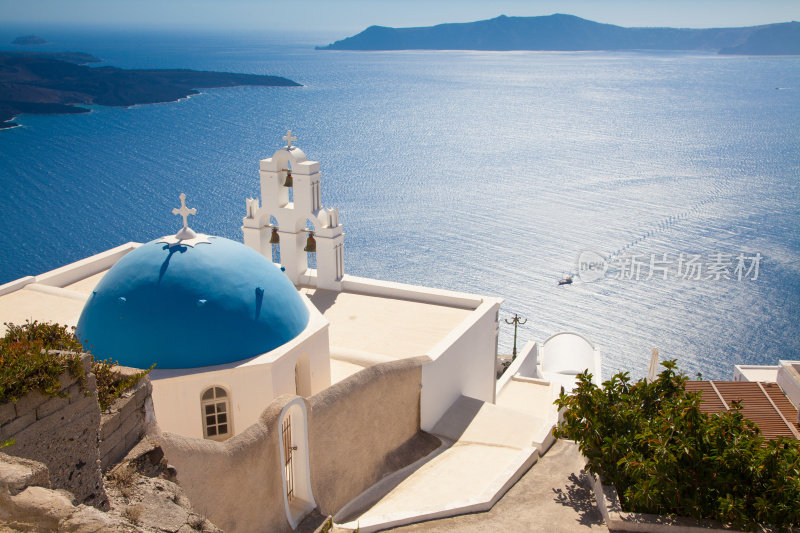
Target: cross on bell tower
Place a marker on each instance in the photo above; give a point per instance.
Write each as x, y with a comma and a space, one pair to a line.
297, 226
288, 138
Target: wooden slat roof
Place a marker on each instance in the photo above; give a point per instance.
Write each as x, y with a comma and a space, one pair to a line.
763, 403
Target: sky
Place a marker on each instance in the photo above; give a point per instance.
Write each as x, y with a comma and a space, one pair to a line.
351, 16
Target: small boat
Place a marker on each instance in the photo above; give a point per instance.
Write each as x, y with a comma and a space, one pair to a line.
565, 281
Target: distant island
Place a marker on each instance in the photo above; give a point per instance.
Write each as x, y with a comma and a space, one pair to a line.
46, 83
79, 58
570, 33
28, 40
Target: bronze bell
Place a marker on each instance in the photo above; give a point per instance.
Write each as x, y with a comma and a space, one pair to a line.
274, 238
311, 244
288, 182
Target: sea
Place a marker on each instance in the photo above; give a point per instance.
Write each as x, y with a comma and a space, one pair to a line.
666, 184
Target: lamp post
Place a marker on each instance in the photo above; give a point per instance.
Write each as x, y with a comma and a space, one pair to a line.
516, 321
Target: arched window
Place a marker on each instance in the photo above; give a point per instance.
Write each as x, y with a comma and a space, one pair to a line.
216, 414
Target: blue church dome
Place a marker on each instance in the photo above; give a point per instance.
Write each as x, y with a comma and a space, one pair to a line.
184, 307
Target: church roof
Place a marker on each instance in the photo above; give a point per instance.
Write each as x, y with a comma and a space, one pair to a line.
184, 306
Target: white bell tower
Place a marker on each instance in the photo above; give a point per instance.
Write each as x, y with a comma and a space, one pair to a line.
289, 170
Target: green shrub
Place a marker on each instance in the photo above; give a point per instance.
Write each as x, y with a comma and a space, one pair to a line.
110, 384
29, 362
665, 456
33, 356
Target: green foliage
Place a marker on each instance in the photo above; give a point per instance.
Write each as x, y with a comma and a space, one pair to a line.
327, 525
33, 356
111, 384
664, 456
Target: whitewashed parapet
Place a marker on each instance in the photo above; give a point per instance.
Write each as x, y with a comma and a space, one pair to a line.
402, 291
15, 285
525, 365
73, 272
84, 268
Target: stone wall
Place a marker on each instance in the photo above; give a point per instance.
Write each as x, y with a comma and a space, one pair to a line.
70, 435
124, 423
62, 434
358, 429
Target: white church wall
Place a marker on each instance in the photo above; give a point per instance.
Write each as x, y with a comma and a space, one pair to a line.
305, 370
283, 375
177, 396
462, 364
302, 366
320, 362
252, 384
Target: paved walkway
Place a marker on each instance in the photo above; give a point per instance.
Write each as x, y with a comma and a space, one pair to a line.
487, 448
553, 496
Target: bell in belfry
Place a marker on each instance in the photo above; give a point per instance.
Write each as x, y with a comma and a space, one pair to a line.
289, 182
311, 244
274, 238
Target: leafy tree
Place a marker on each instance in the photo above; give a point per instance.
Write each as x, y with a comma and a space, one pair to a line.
665, 456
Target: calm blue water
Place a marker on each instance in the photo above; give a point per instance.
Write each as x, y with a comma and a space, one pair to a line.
482, 172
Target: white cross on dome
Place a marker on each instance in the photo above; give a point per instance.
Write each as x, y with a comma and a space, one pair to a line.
185, 232
186, 236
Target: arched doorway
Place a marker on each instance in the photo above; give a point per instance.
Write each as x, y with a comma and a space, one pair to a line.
298, 498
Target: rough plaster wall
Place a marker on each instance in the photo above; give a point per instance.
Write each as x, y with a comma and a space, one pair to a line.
357, 424
237, 483
62, 433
